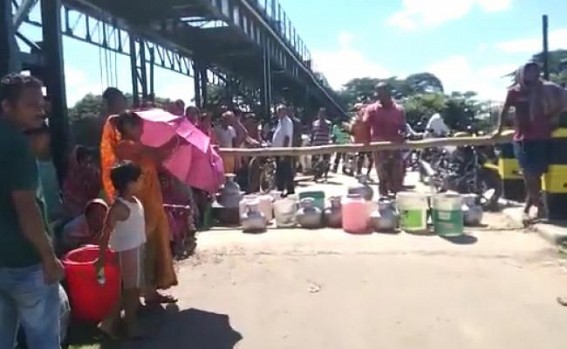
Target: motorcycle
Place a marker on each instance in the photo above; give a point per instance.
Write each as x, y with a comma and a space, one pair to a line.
428, 158
321, 165
466, 170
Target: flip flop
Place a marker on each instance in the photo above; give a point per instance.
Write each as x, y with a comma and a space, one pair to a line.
526, 220
161, 299
108, 333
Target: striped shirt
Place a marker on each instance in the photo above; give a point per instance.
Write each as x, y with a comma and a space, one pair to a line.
321, 132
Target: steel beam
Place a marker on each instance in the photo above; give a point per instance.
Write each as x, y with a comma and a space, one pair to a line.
22, 12
89, 29
151, 83
197, 88
204, 82
266, 88
134, 71
6, 37
54, 77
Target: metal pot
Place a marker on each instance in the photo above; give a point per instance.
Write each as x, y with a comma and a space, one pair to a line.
362, 188
309, 216
253, 220
230, 194
333, 214
385, 218
472, 211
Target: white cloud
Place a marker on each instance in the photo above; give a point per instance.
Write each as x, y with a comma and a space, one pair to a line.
346, 63
168, 85
457, 74
429, 13
78, 85
557, 40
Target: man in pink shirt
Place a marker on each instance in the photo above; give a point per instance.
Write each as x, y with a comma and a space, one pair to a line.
387, 122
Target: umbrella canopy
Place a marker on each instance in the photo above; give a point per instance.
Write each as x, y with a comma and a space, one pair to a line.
193, 162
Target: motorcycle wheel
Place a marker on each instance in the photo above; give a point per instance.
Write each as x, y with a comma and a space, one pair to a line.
490, 179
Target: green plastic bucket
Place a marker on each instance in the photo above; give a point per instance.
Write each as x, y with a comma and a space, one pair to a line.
317, 196
413, 211
447, 214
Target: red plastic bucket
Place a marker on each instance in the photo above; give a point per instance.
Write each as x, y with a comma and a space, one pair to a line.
91, 301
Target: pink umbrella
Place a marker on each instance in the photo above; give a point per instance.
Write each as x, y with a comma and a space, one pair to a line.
193, 162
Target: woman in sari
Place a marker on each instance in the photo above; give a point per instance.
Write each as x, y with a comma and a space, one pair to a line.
206, 126
160, 273
82, 182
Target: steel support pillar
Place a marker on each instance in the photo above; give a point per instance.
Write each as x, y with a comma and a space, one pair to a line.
138, 67
152, 91
54, 78
204, 83
6, 37
134, 70
266, 88
197, 85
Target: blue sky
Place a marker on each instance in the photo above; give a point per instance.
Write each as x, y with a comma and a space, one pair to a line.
469, 44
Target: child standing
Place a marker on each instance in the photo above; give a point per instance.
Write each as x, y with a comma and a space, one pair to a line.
158, 264
124, 231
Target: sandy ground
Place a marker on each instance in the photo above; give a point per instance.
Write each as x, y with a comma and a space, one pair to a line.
296, 289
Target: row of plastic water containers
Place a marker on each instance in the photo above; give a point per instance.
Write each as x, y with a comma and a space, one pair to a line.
415, 211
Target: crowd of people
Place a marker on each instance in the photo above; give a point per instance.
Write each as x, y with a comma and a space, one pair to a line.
117, 196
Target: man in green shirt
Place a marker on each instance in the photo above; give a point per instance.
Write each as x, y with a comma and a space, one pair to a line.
339, 137
29, 269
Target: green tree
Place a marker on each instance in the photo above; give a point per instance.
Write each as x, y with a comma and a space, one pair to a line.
420, 107
84, 119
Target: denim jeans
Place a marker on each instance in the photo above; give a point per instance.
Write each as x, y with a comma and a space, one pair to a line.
25, 299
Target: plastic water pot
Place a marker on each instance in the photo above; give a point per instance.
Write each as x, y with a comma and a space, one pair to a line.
284, 211
355, 214
447, 214
412, 208
91, 301
317, 196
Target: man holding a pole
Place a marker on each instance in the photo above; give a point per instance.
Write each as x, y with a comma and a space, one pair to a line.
387, 122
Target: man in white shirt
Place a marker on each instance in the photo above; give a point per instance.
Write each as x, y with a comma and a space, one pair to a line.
436, 127
283, 136
226, 136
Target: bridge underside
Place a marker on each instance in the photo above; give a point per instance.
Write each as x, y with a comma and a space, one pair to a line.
248, 45
236, 37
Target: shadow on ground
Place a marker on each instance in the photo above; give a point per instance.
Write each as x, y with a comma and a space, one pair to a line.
170, 328
461, 239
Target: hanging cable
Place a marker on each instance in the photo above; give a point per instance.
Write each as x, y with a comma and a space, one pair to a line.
102, 87
116, 41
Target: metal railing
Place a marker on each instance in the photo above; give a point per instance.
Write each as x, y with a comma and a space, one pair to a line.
280, 22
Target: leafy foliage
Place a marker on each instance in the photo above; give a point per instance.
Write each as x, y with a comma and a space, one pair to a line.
422, 95
85, 119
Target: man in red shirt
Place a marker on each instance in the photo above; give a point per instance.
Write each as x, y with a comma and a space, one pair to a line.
536, 104
387, 122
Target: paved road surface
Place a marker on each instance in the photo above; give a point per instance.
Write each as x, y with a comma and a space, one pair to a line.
302, 289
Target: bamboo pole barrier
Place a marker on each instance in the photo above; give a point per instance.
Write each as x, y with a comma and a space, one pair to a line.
505, 137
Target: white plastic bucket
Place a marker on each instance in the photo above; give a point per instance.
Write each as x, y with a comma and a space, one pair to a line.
284, 212
265, 206
413, 211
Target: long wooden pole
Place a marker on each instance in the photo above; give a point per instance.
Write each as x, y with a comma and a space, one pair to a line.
505, 137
